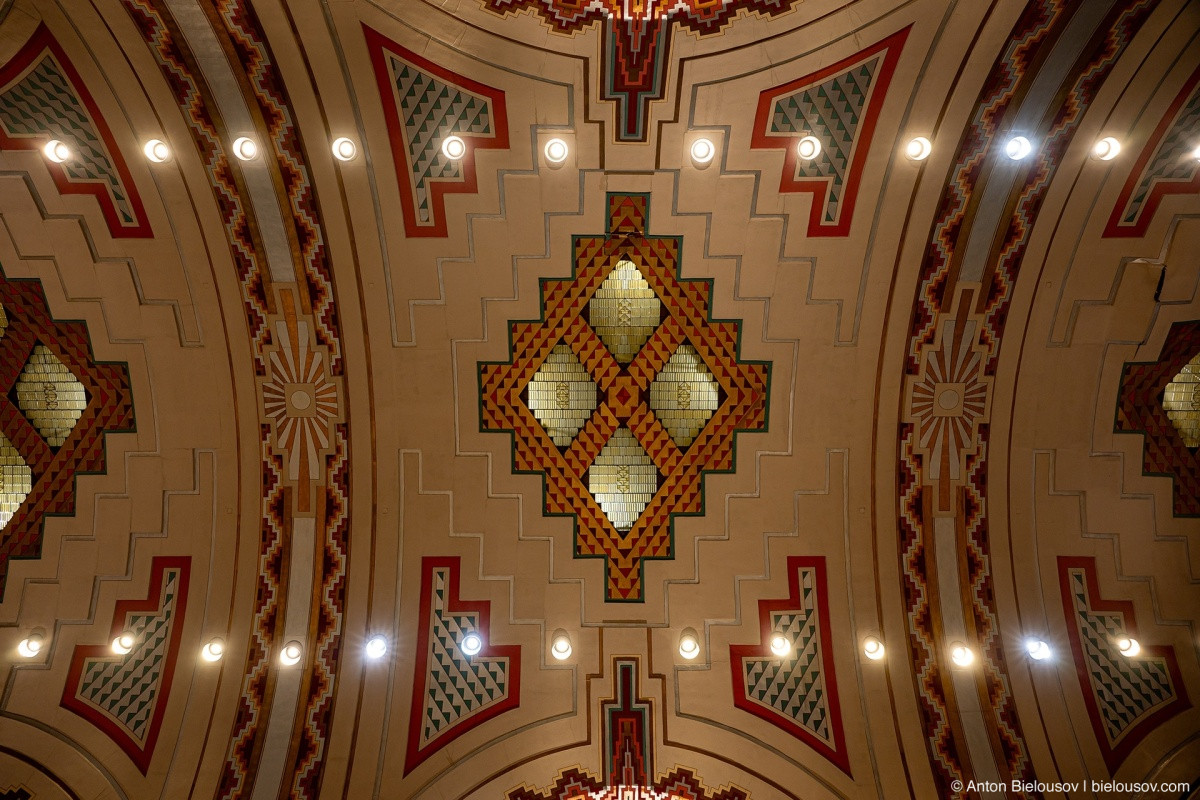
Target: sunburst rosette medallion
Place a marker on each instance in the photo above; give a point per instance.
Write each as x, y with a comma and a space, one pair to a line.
624, 394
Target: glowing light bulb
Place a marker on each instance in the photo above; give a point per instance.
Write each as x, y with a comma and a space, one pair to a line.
1037, 649
291, 653
156, 150
781, 645
1106, 149
213, 650
344, 149
961, 655
1129, 647
472, 643
808, 148
873, 648
376, 647
703, 151
31, 645
556, 151
689, 643
560, 645
918, 149
454, 148
245, 148
1018, 148
123, 643
57, 151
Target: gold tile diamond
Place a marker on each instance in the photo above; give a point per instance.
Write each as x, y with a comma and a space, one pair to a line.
1181, 401
16, 481
623, 479
684, 395
49, 396
624, 311
562, 395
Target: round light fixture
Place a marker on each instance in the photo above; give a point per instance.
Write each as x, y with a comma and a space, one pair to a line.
245, 148
472, 643
31, 645
290, 655
376, 647
156, 150
123, 643
1018, 147
1129, 646
873, 648
1106, 149
961, 655
703, 151
1037, 649
918, 149
556, 151
454, 148
560, 645
344, 149
689, 643
808, 148
57, 151
781, 645
213, 650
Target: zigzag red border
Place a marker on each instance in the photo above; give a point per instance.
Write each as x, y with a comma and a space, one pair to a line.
41, 41
819, 188
140, 756
376, 44
414, 754
737, 652
1113, 757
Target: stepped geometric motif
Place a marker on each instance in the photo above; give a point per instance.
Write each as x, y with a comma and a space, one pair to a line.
796, 692
1167, 165
1154, 400
635, 49
1126, 697
18, 793
575, 783
455, 692
424, 104
840, 106
56, 405
41, 98
625, 474
125, 696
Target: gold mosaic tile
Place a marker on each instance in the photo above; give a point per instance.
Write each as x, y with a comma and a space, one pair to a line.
624, 311
562, 395
16, 481
3, 322
684, 395
623, 479
49, 396
1181, 401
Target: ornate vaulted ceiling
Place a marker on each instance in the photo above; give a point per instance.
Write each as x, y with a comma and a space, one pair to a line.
540, 399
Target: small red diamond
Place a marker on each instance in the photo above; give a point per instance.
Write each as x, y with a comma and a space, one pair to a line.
623, 396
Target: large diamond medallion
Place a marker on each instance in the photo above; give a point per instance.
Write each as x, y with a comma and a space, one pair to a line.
50, 396
624, 394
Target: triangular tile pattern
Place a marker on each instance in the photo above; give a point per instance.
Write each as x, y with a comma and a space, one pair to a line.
126, 695
55, 449
50, 396
576, 783
454, 692
684, 395
562, 395
796, 692
423, 104
1126, 697
1166, 165
839, 105
41, 98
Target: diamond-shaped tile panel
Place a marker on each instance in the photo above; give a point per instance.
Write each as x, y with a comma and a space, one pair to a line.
684, 395
624, 311
623, 479
562, 395
16, 481
1181, 401
50, 396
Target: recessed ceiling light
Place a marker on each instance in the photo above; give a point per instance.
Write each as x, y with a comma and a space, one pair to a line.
454, 148
703, 151
918, 149
556, 151
344, 149
1106, 149
245, 148
57, 151
873, 648
781, 645
123, 643
31, 645
808, 148
560, 645
1196, 154
213, 650
290, 654
1018, 147
1129, 646
1037, 649
961, 655
376, 647
689, 643
157, 151
472, 643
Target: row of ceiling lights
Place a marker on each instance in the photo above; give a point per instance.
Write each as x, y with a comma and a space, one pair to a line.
471, 644
556, 150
